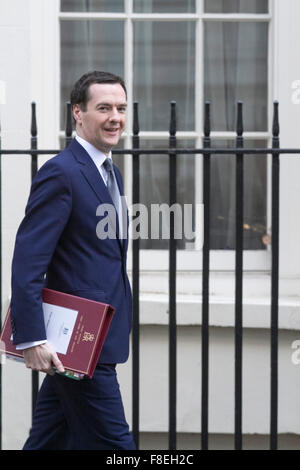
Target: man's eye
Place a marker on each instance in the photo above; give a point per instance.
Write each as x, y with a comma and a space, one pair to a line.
122, 110
103, 108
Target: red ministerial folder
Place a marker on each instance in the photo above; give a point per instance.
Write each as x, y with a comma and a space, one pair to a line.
75, 326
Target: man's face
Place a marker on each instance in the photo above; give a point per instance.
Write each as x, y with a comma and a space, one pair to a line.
103, 121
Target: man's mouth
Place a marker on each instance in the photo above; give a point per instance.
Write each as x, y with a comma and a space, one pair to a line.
112, 129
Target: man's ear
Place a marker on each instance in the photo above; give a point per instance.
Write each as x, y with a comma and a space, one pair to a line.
77, 113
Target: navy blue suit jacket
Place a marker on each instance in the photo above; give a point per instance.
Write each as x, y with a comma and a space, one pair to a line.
57, 247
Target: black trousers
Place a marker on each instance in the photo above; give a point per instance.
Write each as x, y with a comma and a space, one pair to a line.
85, 414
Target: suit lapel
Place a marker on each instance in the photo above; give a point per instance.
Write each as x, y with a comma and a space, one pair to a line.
93, 177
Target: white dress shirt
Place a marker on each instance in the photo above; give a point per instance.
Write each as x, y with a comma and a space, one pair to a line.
98, 158
95, 154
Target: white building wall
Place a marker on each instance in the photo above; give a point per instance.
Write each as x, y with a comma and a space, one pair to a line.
256, 381
287, 71
15, 125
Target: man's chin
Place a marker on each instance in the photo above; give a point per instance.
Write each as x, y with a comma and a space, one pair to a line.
110, 143
106, 147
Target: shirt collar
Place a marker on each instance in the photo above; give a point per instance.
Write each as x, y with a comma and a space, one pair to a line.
96, 155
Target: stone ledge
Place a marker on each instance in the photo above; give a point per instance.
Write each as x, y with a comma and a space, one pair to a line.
256, 311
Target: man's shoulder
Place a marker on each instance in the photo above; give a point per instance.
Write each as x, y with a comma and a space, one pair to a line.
63, 157
63, 161
57, 170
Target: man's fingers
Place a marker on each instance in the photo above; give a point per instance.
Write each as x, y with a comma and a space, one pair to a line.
49, 371
42, 358
57, 363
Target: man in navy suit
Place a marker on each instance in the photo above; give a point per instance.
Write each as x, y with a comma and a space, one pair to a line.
57, 246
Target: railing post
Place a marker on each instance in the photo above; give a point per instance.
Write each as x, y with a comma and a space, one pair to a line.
205, 280
33, 140
275, 280
34, 165
136, 286
239, 279
68, 131
172, 285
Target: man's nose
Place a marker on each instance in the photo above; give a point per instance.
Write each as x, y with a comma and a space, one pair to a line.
114, 115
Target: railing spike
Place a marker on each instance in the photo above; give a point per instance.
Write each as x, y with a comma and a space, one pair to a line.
69, 120
276, 127
136, 126
69, 128
239, 123
207, 119
173, 118
33, 120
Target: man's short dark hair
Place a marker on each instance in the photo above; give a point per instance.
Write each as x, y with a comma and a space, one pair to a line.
80, 93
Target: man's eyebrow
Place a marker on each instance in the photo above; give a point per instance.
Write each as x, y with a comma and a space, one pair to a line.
110, 104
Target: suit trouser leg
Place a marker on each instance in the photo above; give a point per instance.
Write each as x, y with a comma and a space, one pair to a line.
94, 411
49, 427
91, 410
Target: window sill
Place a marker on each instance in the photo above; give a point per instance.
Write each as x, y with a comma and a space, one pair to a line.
256, 311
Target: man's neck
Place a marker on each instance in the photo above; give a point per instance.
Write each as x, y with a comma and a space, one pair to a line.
86, 144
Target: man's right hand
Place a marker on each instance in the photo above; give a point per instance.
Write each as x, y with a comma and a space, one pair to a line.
42, 358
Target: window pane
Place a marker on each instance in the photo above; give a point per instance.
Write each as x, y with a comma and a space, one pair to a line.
164, 70
89, 45
236, 68
164, 6
223, 198
154, 190
92, 5
236, 6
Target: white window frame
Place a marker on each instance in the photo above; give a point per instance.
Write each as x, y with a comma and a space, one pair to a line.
49, 11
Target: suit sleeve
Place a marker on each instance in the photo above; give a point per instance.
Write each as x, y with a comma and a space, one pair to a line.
47, 213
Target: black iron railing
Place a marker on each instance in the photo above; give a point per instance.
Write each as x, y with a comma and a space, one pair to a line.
207, 151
